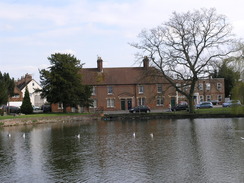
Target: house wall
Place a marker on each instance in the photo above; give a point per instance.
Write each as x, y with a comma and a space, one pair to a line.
35, 98
204, 93
129, 96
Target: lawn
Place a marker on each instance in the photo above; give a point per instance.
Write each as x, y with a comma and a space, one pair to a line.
41, 115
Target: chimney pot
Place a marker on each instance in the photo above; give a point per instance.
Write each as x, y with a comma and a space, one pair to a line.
99, 64
145, 62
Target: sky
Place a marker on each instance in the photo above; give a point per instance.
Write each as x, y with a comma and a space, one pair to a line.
32, 30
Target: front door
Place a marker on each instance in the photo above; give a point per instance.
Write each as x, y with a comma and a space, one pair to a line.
122, 103
129, 104
172, 101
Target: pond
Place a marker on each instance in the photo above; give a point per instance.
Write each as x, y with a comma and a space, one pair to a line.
182, 150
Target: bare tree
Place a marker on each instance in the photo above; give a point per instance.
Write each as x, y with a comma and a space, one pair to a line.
185, 48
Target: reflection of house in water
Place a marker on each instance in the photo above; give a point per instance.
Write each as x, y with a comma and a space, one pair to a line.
19, 92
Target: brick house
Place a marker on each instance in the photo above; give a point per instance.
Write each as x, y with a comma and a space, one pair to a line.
211, 89
123, 88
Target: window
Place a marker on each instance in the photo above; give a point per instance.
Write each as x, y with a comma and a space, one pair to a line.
93, 90
201, 98
178, 85
208, 86
94, 104
110, 90
33, 84
219, 98
110, 102
141, 101
200, 86
60, 105
160, 88
160, 101
219, 86
208, 97
16, 96
141, 89
186, 88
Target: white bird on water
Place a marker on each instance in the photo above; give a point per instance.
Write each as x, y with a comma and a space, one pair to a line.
134, 134
9, 135
23, 135
78, 136
242, 138
151, 134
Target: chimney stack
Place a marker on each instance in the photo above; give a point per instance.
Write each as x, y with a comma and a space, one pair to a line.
145, 62
99, 64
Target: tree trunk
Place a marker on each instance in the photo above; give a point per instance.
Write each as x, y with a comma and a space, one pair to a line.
191, 104
64, 107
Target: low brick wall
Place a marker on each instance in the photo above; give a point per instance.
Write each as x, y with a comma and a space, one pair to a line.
42, 120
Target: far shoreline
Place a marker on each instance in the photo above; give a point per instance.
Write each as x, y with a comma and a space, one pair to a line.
88, 118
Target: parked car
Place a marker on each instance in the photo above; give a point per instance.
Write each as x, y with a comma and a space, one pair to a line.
180, 107
46, 108
11, 109
141, 108
231, 103
36, 108
204, 105
215, 102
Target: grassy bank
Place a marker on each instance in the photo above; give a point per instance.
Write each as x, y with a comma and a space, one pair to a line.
41, 115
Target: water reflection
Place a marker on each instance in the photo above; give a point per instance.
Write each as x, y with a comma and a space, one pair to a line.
199, 150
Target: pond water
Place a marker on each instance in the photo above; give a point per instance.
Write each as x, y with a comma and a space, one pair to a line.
183, 150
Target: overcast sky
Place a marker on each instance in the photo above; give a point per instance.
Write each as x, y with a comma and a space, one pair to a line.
32, 30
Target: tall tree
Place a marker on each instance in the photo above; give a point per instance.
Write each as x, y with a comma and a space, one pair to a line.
185, 47
26, 107
231, 76
6, 87
61, 82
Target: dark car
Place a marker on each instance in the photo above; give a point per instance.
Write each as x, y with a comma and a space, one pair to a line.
180, 107
46, 108
204, 105
11, 109
141, 108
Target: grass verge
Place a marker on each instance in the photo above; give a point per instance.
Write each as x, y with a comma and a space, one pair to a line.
41, 115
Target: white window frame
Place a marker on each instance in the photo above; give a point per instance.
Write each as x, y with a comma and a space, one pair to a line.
201, 98
160, 101
93, 90
60, 105
219, 98
208, 86
110, 102
208, 97
94, 103
200, 86
110, 90
140, 89
141, 100
219, 86
159, 88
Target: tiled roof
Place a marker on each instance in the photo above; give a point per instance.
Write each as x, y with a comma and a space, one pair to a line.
119, 76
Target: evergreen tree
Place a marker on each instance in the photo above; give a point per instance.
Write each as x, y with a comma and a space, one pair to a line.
61, 82
6, 87
231, 76
26, 106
